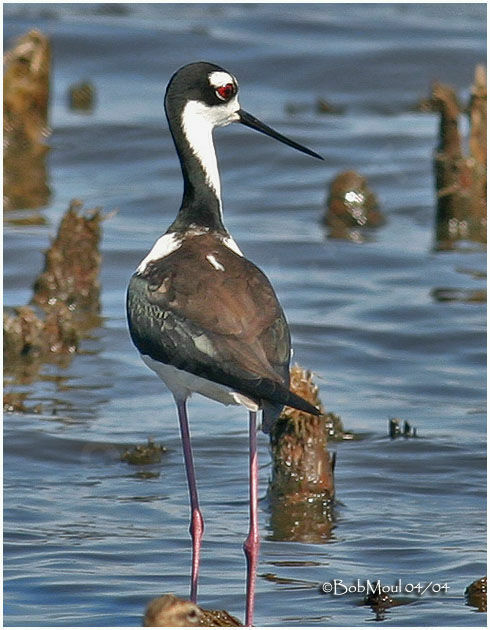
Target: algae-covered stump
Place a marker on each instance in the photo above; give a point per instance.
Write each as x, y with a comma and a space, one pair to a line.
460, 178
66, 297
81, 97
301, 489
476, 594
26, 89
72, 263
351, 205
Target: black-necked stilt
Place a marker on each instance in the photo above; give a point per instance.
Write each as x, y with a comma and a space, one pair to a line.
203, 317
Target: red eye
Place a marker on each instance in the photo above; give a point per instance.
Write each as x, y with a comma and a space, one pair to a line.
225, 92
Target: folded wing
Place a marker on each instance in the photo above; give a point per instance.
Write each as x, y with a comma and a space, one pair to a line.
211, 312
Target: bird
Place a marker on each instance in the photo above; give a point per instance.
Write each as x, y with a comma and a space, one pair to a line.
172, 612
168, 611
204, 318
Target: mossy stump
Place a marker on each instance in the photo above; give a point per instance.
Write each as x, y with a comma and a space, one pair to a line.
65, 301
72, 264
301, 489
26, 89
460, 178
351, 205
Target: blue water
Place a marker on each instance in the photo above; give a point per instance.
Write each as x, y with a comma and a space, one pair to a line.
88, 539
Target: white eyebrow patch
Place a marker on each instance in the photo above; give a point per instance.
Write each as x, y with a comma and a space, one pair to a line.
218, 78
215, 263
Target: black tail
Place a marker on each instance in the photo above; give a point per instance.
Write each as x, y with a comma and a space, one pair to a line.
273, 410
300, 403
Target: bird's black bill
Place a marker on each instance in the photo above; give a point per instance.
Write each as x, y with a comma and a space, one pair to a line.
250, 121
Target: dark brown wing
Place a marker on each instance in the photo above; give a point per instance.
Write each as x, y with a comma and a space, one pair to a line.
215, 315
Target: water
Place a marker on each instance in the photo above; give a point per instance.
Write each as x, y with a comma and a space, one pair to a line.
88, 539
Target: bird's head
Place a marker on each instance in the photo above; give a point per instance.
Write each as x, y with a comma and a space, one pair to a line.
206, 94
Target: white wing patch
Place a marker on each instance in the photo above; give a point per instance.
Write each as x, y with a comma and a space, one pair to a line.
240, 399
215, 263
182, 383
230, 243
203, 344
165, 245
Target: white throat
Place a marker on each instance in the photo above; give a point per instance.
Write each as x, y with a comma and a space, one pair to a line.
198, 122
198, 130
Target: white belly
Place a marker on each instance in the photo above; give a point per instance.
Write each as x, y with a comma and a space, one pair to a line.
183, 384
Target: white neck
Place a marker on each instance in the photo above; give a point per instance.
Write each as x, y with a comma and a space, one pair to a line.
198, 126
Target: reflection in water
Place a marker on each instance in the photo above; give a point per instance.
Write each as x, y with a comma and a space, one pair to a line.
25, 181
273, 577
24, 368
449, 294
381, 602
25, 101
14, 401
144, 454
459, 295
302, 519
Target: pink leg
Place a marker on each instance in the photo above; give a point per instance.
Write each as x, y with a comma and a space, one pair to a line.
197, 523
252, 543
